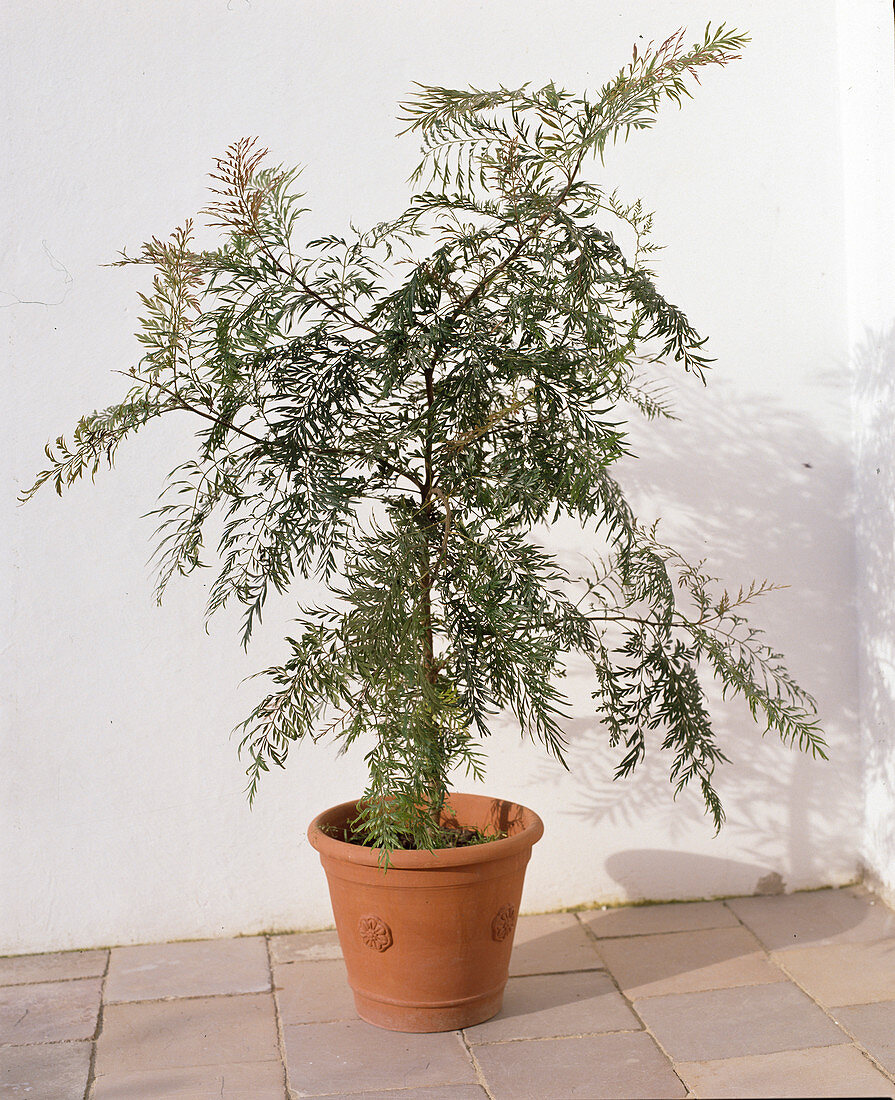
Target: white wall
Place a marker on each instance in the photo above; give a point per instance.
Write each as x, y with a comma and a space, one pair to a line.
122, 816
868, 95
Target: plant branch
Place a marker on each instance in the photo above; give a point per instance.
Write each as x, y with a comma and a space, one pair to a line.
461, 442
184, 404
330, 452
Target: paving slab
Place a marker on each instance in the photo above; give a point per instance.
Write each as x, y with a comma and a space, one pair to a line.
830, 1071
57, 1070
552, 943
873, 1026
591, 1067
181, 1034
49, 1012
845, 973
557, 1004
732, 1023
197, 1021
687, 962
848, 915
234, 1081
312, 993
305, 947
53, 967
645, 920
200, 969
352, 1056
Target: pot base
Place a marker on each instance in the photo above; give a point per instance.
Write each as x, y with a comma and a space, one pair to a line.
426, 1018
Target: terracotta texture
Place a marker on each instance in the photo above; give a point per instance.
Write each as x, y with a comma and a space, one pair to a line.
427, 944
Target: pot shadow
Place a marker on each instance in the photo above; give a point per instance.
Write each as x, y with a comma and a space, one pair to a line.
663, 870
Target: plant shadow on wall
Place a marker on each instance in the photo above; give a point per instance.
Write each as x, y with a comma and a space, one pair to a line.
748, 483
874, 362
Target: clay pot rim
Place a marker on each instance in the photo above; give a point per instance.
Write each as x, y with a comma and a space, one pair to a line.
531, 831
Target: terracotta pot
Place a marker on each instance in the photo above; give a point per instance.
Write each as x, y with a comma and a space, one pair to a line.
427, 944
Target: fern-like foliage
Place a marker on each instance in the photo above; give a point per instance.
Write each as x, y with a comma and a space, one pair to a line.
394, 412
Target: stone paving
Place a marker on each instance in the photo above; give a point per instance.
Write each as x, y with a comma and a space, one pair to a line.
792, 995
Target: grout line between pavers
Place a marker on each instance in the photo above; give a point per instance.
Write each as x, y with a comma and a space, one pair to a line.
281, 1039
190, 997
557, 973
643, 1025
671, 932
561, 1035
43, 1043
91, 1069
54, 981
479, 1072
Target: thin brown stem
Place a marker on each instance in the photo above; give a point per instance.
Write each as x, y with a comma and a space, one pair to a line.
461, 442
426, 575
447, 525
487, 279
330, 452
329, 306
219, 420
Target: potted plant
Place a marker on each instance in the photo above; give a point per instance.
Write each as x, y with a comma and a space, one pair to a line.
395, 413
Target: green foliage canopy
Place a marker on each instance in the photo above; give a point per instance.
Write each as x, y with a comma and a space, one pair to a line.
395, 412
